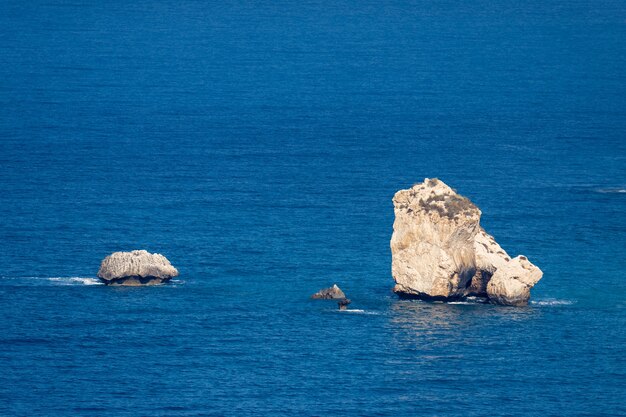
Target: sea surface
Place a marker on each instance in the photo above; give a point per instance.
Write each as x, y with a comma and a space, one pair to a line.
258, 146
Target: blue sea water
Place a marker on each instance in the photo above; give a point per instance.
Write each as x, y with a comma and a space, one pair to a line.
258, 146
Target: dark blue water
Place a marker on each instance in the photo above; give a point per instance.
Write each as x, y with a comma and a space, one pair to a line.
258, 146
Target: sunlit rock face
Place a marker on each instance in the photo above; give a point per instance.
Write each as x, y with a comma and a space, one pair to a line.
511, 283
489, 257
433, 241
440, 252
136, 268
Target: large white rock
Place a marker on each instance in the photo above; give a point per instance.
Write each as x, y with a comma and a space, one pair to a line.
433, 241
439, 250
138, 267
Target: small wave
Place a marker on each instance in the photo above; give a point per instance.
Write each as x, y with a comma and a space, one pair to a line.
612, 190
75, 281
552, 302
357, 311
39, 280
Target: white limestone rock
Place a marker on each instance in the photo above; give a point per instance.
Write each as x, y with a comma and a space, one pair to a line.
439, 251
489, 257
136, 268
433, 241
511, 283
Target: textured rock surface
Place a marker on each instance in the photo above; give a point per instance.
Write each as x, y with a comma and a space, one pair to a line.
439, 250
433, 241
332, 293
511, 283
489, 257
135, 268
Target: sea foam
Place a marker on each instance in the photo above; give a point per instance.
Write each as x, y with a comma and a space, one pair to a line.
358, 311
75, 281
611, 190
552, 302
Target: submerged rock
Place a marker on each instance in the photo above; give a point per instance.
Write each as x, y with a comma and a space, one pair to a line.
136, 268
332, 293
440, 252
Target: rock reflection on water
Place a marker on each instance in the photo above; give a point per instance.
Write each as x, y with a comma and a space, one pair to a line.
443, 330
460, 353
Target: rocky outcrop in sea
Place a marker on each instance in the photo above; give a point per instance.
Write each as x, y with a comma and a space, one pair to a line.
332, 293
136, 268
440, 251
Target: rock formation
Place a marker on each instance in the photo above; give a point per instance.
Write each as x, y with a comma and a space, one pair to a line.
135, 268
511, 283
440, 252
332, 293
433, 241
489, 257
